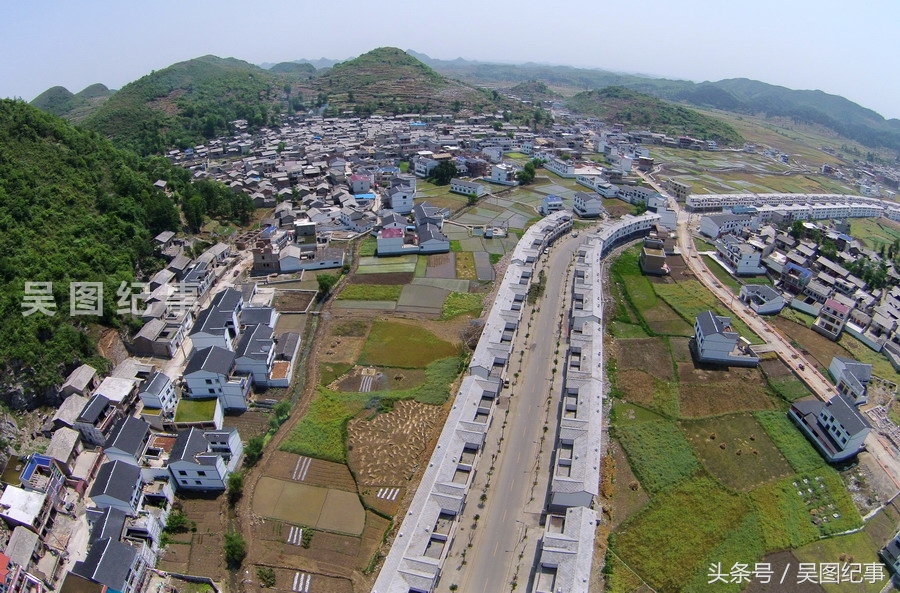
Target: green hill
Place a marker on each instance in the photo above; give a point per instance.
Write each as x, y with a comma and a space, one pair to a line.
188, 102
534, 90
55, 100
74, 208
621, 105
59, 101
295, 68
388, 80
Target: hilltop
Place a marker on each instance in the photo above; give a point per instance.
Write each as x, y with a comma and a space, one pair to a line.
534, 90
621, 105
296, 68
74, 107
388, 80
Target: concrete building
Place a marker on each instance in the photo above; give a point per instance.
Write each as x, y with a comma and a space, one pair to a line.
588, 205
466, 188
742, 257
211, 373
851, 377
716, 342
832, 318
764, 300
564, 561
836, 428
203, 459
719, 224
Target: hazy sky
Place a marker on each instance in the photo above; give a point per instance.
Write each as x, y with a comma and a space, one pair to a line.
848, 49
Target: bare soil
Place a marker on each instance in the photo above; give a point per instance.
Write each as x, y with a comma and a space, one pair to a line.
715, 392
650, 355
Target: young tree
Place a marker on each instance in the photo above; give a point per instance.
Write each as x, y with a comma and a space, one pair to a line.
235, 486
253, 451
443, 173
326, 284
235, 549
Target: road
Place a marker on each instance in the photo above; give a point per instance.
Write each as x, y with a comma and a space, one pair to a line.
791, 356
504, 519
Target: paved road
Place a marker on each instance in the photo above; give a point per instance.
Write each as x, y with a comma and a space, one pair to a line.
503, 520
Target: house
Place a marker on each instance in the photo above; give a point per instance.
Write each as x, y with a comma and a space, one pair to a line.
219, 324
431, 240
203, 459
653, 259
294, 259
360, 184
68, 412
82, 381
588, 205
121, 391
401, 193
158, 338
392, 220
716, 342
851, 377
118, 485
550, 204
64, 448
117, 566
719, 224
764, 300
890, 554
255, 353
23, 552
504, 174
836, 428
27, 508
197, 281
466, 188
97, 419
563, 168
742, 257
127, 441
157, 391
210, 373
425, 213
831, 320
163, 240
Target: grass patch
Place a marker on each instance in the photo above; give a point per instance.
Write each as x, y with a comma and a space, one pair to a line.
667, 542
400, 345
701, 245
658, 452
370, 292
851, 548
622, 330
789, 388
636, 288
804, 507
353, 328
421, 266
462, 303
465, 266
330, 371
744, 544
455, 246
322, 432
690, 298
195, 410
796, 316
624, 414
736, 450
368, 247
722, 274
495, 258
799, 452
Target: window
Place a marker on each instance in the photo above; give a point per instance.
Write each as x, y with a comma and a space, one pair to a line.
209, 381
212, 390
198, 482
182, 473
201, 474
184, 482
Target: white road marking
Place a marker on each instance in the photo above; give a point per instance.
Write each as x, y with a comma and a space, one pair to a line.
301, 469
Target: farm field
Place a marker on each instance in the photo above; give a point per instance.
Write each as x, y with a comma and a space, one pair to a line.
708, 460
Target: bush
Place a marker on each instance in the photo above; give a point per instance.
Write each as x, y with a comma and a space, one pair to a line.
178, 523
235, 487
235, 549
266, 576
253, 451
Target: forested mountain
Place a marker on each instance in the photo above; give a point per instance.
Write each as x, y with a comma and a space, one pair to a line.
739, 95
615, 104
74, 208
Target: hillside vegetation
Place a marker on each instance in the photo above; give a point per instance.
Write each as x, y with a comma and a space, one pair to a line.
60, 101
190, 101
74, 208
636, 110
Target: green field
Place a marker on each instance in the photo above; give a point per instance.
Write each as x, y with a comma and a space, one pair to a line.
722, 274
736, 451
802, 456
368, 246
322, 432
690, 298
195, 410
402, 345
659, 453
370, 292
462, 303
670, 539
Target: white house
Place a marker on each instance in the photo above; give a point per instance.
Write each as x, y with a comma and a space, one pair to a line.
203, 459
504, 174
158, 391
720, 224
836, 428
588, 205
742, 257
763, 299
210, 373
401, 193
466, 188
118, 485
255, 353
635, 194
431, 240
561, 167
219, 324
851, 377
551, 204
716, 342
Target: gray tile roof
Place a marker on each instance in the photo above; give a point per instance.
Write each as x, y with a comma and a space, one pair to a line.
155, 383
188, 444
93, 409
116, 479
128, 435
70, 409
108, 562
256, 342
108, 523
214, 360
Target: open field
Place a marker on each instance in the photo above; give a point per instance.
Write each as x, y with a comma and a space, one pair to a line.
793, 445
874, 232
462, 303
650, 355
658, 452
403, 345
370, 292
851, 548
736, 451
692, 519
629, 496
323, 508
713, 391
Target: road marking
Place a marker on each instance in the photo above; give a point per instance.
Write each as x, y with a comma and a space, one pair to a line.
295, 536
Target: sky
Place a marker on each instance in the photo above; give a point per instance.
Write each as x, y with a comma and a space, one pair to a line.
848, 49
